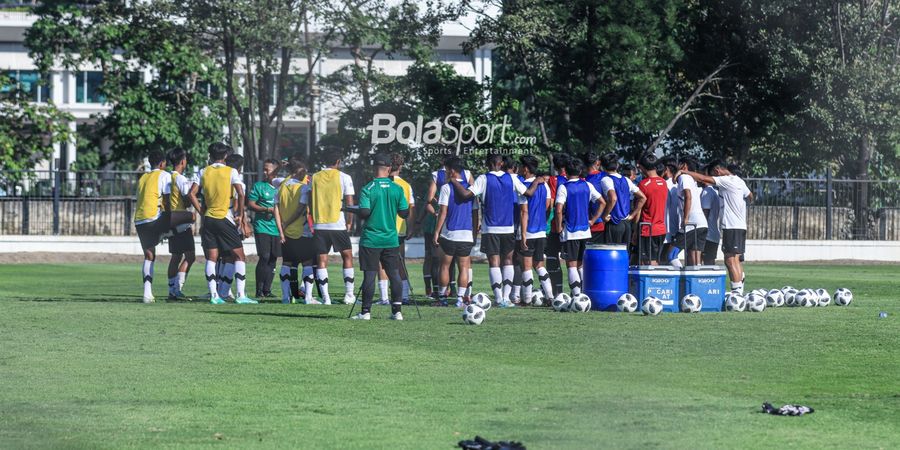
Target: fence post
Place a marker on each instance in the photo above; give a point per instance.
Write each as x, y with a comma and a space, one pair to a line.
26, 213
57, 185
795, 231
829, 205
126, 222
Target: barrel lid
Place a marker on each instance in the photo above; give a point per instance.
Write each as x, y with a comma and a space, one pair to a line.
606, 247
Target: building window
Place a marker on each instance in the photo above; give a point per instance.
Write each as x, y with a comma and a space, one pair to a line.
29, 84
87, 87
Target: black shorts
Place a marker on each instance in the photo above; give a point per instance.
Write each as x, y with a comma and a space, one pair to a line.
535, 250
456, 248
618, 233
734, 241
372, 259
219, 234
150, 233
710, 251
267, 245
693, 240
181, 243
298, 250
650, 246
552, 246
573, 249
597, 237
497, 244
326, 240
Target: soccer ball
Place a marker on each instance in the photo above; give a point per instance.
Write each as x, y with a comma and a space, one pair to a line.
843, 297
580, 303
561, 302
473, 315
760, 292
787, 288
774, 298
651, 306
756, 302
482, 301
806, 297
790, 297
690, 304
735, 302
824, 297
627, 303
537, 298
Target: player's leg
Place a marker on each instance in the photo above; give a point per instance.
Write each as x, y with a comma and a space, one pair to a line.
349, 281
710, 251
404, 274
383, 286
507, 243
323, 247
368, 263
147, 273
226, 276
443, 278
526, 269
427, 260
174, 264
264, 252
464, 296
210, 244
390, 261
554, 267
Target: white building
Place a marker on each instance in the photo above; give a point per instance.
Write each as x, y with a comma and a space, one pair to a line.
76, 92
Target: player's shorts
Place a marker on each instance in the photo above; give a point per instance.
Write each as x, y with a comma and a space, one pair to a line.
326, 240
497, 244
597, 237
573, 249
618, 233
710, 251
372, 259
181, 243
150, 233
734, 241
219, 234
693, 240
298, 250
456, 248
650, 247
536, 248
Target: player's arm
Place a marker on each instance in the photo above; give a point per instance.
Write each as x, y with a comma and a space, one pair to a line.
523, 221
476, 224
601, 204
192, 198
613, 199
238, 201
410, 212
701, 177
442, 216
558, 217
348, 216
637, 205
251, 203
429, 199
520, 187
460, 190
688, 201
278, 223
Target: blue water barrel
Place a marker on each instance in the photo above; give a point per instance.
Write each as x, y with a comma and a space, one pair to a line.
605, 275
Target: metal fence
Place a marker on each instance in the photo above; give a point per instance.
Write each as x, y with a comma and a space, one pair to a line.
102, 203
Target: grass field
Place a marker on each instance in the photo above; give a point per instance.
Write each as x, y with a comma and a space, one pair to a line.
84, 365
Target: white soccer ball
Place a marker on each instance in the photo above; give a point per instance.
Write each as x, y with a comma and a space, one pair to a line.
760, 292
824, 297
843, 297
690, 304
806, 297
580, 303
775, 299
786, 288
473, 315
735, 302
651, 306
537, 298
482, 301
756, 302
790, 297
627, 303
561, 302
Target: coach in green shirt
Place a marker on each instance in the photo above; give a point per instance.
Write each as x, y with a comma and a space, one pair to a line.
380, 202
261, 200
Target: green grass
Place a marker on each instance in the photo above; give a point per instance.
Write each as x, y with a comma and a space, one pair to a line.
83, 365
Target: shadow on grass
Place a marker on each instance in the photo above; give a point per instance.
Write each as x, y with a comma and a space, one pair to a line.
272, 314
74, 299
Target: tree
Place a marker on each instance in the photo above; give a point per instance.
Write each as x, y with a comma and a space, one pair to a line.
27, 129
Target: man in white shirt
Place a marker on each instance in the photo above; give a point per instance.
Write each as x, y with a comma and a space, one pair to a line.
709, 201
692, 227
733, 194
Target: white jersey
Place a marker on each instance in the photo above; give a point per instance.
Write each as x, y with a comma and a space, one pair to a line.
733, 191
709, 200
695, 216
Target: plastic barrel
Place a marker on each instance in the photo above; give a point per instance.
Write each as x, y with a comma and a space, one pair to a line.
605, 275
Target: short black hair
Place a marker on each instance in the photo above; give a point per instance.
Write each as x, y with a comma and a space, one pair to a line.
712, 165
448, 158
735, 169
218, 151
560, 160
574, 167
155, 157
590, 158
450, 161
529, 162
510, 163
331, 154
176, 155
691, 163
456, 165
627, 169
669, 162
649, 161
493, 159
235, 161
396, 161
272, 161
610, 161
296, 163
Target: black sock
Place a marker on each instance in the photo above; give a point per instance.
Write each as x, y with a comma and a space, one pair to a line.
395, 308
295, 285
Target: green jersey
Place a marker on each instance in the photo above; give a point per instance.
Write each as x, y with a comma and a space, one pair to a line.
263, 193
383, 198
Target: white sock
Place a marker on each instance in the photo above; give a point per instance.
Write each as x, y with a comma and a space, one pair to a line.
737, 287
509, 272
173, 285
574, 281
527, 281
546, 283
442, 291
147, 275
383, 286
496, 276
581, 272
462, 294
227, 278
349, 281
405, 290
470, 281
211, 278
285, 276
322, 281
240, 276
181, 277
309, 281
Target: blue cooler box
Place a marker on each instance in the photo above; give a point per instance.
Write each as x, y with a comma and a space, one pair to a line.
605, 275
662, 282
706, 282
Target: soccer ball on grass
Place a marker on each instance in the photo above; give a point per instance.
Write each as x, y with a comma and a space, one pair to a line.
690, 304
561, 302
651, 306
756, 302
482, 301
843, 297
627, 303
473, 315
735, 302
580, 303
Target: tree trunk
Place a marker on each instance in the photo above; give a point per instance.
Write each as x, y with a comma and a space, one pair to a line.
867, 143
